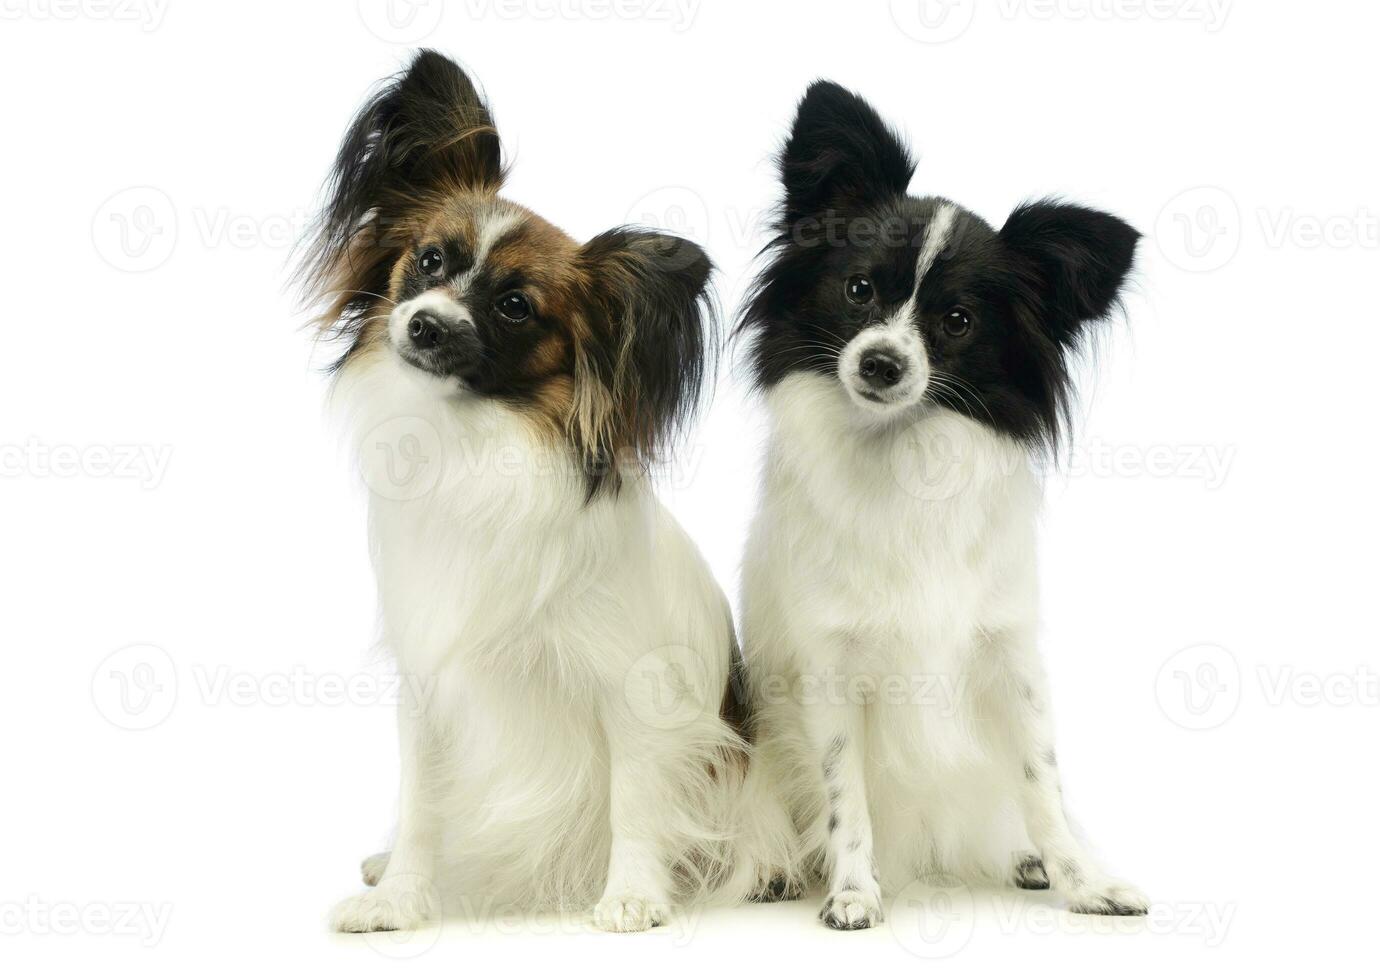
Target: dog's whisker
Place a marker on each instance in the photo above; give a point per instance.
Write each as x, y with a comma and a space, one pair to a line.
362, 292
960, 385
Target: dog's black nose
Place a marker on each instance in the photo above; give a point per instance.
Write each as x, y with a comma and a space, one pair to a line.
426, 330
881, 368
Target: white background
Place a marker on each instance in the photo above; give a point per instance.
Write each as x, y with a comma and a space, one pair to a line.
1213, 502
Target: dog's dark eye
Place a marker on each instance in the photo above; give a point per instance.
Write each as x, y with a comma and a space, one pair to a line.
430, 263
858, 289
957, 322
514, 306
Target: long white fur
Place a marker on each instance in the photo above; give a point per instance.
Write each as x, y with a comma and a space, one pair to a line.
889, 616
553, 761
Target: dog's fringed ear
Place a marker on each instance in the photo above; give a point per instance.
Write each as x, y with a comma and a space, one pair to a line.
1078, 260
640, 374
426, 133
840, 154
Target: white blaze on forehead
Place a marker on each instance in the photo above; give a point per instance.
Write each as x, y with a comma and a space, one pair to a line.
496, 223
937, 235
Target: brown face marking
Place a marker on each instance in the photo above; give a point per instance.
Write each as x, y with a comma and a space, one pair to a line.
546, 256
492, 247
550, 356
551, 405
596, 359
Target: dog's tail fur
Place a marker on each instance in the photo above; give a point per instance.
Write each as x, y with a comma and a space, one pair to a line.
763, 858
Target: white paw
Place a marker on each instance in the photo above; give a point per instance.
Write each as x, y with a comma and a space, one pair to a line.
397, 903
1108, 897
373, 867
629, 913
850, 909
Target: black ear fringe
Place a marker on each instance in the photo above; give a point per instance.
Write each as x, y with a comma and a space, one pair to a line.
1083, 255
656, 348
840, 153
425, 133
1070, 264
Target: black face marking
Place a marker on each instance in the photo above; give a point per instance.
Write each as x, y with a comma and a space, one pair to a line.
456, 258
500, 353
833, 821
1001, 313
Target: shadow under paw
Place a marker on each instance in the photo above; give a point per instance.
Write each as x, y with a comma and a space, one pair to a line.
779, 889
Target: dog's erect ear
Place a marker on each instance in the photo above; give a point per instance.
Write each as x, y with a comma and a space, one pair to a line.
640, 375
426, 131
1079, 259
424, 134
840, 154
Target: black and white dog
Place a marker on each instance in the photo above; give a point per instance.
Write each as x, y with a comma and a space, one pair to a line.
912, 357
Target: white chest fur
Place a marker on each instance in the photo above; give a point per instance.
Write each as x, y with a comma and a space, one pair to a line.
908, 541
883, 567
530, 618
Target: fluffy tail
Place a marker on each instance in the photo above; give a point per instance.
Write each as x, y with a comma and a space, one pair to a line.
764, 860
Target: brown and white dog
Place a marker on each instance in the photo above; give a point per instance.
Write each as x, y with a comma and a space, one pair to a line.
573, 649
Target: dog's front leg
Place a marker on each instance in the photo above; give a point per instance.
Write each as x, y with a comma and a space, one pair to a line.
637, 892
1071, 870
835, 730
406, 894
